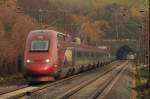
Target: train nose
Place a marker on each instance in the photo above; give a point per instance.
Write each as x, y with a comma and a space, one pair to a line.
39, 68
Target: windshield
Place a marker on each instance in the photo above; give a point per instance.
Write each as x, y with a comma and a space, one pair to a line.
39, 45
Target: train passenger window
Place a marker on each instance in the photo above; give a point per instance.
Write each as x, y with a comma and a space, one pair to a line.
95, 55
39, 45
92, 54
100, 55
84, 54
87, 54
79, 54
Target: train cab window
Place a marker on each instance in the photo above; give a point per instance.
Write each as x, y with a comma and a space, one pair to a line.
39, 45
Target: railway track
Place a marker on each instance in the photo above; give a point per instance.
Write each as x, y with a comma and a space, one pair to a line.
14, 89
107, 86
96, 88
31, 90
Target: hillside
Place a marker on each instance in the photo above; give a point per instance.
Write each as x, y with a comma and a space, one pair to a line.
92, 21
87, 3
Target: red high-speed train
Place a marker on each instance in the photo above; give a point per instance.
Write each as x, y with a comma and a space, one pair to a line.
50, 54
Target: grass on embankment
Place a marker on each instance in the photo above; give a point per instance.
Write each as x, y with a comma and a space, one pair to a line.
10, 79
141, 82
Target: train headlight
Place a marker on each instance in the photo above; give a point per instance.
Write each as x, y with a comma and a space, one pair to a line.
28, 60
47, 60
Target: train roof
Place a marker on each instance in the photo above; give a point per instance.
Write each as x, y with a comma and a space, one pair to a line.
72, 44
83, 46
48, 31
89, 49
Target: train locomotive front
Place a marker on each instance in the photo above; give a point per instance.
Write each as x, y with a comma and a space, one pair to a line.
40, 58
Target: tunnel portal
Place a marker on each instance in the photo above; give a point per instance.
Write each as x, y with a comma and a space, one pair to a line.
124, 52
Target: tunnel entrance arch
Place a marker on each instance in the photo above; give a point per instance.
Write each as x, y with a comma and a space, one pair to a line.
123, 52
115, 46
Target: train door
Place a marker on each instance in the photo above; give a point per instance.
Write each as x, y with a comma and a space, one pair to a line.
68, 57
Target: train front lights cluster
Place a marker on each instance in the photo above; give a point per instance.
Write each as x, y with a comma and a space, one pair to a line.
28, 60
47, 60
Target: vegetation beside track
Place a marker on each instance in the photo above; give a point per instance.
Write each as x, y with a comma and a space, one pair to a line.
9, 79
141, 82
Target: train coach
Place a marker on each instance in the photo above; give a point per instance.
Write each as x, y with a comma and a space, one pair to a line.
50, 54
